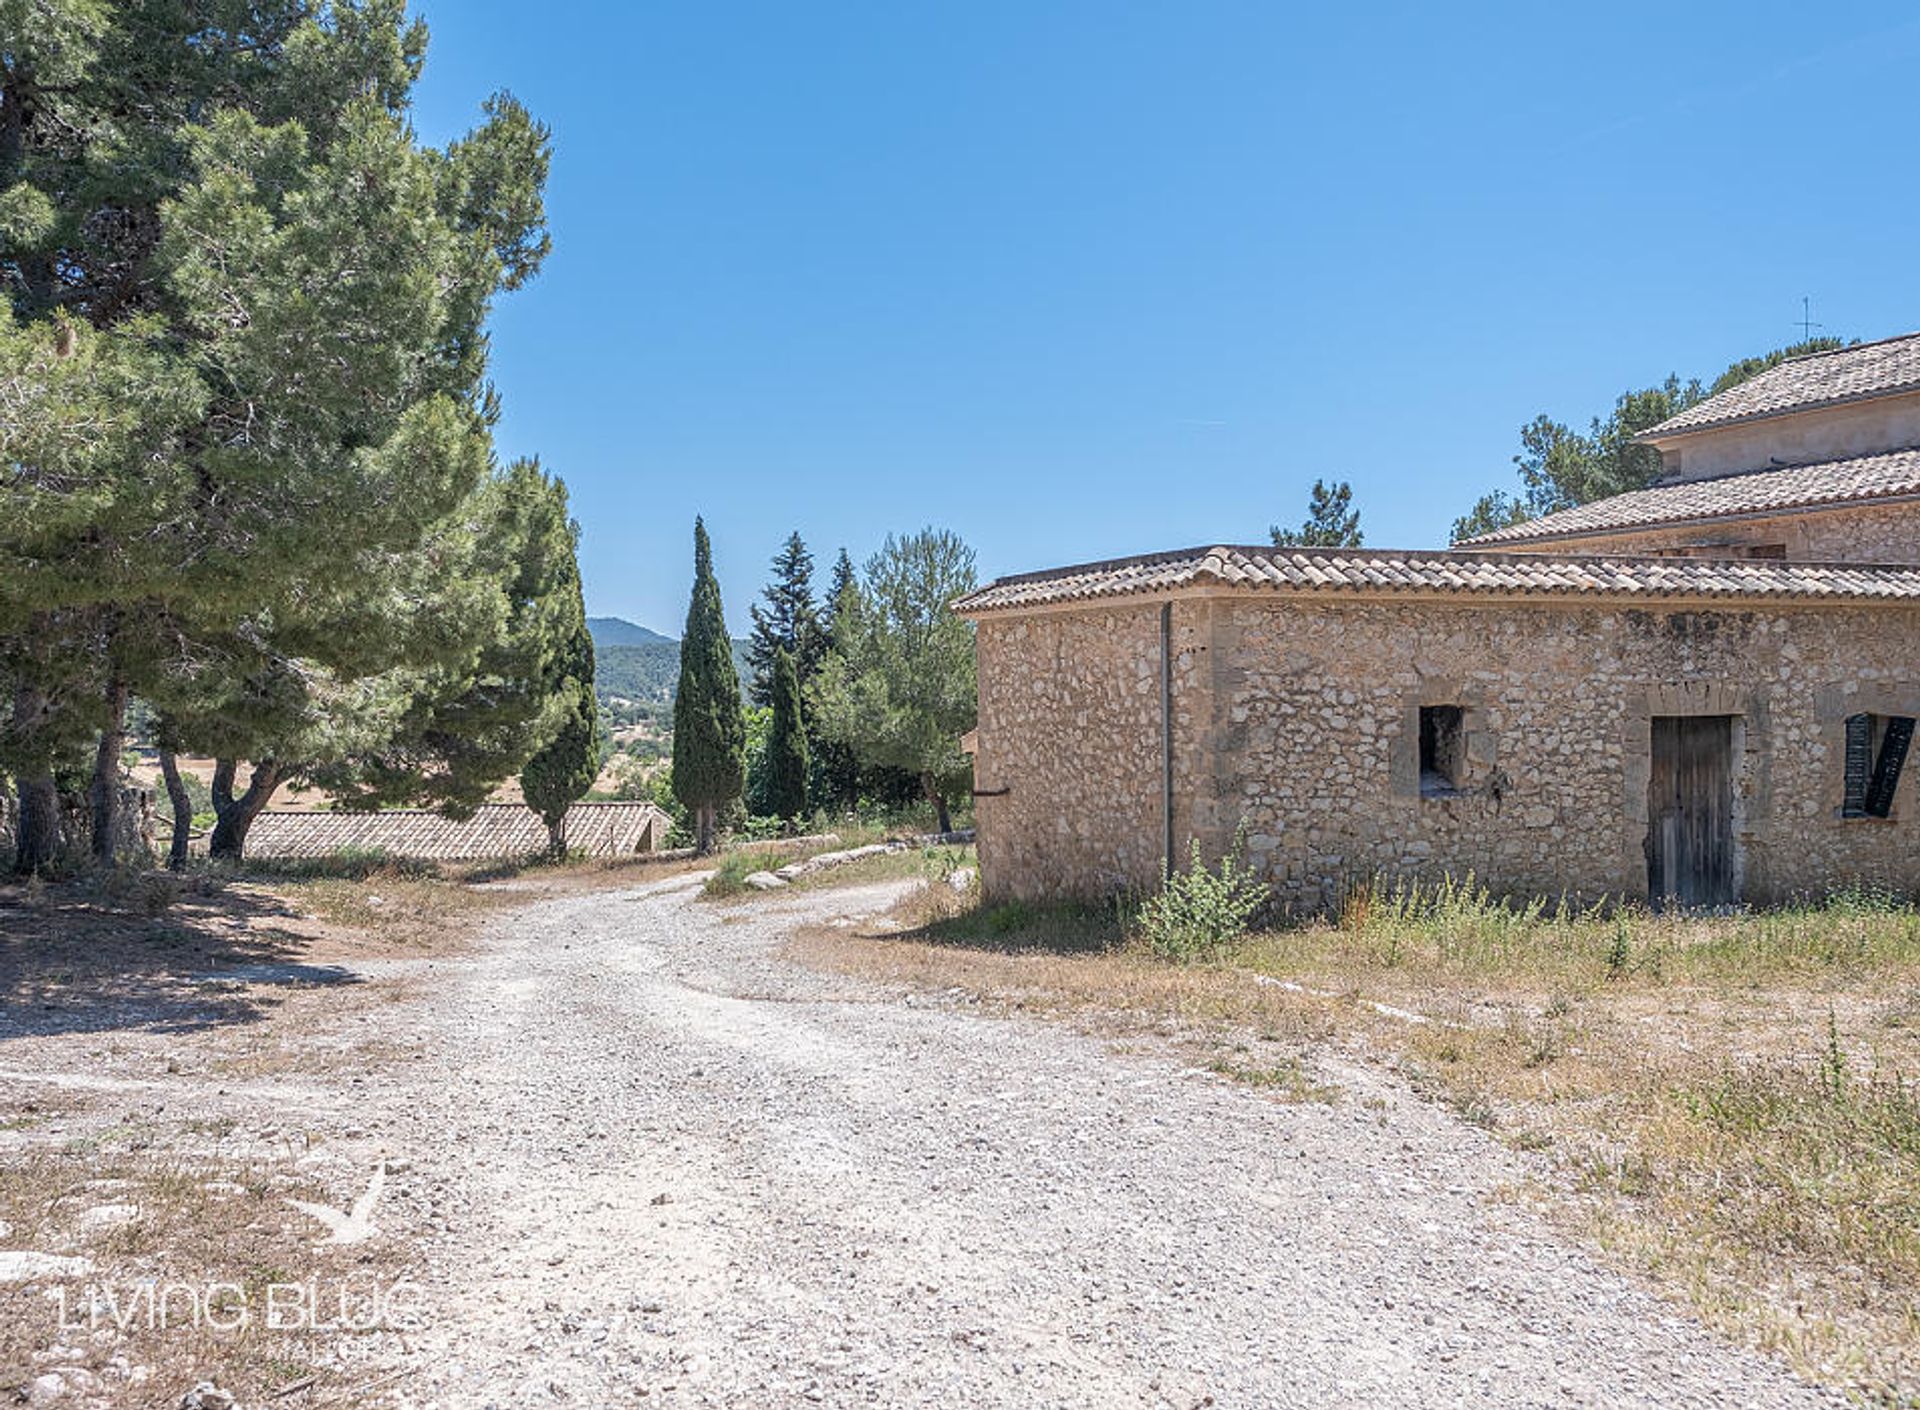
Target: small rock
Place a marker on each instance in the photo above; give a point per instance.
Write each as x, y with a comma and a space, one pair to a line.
207, 1396
105, 1218
662, 1198
44, 1390
764, 881
18, 1267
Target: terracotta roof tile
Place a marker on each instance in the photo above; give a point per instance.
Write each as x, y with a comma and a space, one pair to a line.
1831, 482
1817, 379
1385, 573
497, 830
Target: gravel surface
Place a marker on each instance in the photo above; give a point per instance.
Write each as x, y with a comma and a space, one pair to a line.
651, 1163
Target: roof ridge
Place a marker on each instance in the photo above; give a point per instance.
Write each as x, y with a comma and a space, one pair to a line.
1854, 346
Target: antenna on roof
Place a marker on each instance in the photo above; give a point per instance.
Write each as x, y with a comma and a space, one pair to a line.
1807, 325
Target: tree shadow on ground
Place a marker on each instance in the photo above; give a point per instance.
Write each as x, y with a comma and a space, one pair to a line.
70, 963
1023, 928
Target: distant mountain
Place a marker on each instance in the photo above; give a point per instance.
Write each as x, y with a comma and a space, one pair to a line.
618, 631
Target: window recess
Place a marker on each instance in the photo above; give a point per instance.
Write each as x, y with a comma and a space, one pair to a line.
1443, 750
1875, 754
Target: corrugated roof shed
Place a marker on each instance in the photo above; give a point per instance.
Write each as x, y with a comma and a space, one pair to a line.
497, 830
1818, 379
1895, 475
1385, 573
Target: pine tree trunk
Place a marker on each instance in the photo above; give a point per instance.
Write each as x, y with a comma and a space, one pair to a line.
229, 841
104, 796
557, 839
703, 824
939, 801
182, 811
38, 845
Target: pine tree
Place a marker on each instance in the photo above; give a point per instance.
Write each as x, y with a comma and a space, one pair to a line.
835, 777
223, 213
789, 622
709, 736
898, 688
843, 585
786, 791
1332, 521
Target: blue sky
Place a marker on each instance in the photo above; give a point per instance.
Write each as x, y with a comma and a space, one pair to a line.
1079, 280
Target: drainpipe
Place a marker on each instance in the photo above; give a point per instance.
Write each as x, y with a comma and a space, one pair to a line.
1166, 728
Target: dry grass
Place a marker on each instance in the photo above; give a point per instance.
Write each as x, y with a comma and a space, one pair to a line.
1729, 1102
188, 1228
912, 864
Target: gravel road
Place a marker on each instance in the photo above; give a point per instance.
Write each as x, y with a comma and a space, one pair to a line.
651, 1163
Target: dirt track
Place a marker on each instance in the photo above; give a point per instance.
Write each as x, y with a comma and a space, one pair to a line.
651, 1163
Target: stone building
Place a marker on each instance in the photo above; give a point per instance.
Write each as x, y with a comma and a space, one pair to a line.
1699, 692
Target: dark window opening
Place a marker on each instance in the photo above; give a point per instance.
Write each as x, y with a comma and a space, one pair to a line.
1442, 750
1876, 752
1767, 550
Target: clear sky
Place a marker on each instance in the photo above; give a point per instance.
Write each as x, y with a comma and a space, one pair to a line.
1082, 279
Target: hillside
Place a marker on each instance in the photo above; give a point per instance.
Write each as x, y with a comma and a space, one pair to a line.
643, 672
618, 631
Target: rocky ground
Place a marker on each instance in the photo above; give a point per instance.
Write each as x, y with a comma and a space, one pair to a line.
653, 1163
634, 1156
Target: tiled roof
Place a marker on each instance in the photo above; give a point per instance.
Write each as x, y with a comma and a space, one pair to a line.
1386, 573
1818, 379
1864, 477
497, 830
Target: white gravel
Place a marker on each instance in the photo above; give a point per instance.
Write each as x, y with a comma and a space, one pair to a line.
653, 1164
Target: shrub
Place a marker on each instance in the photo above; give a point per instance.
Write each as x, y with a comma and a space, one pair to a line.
730, 876
1200, 912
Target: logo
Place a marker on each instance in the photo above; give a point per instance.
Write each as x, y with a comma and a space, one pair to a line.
355, 1226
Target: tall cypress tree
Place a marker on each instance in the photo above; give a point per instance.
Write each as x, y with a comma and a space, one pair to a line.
560, 774
709, 733
786, 742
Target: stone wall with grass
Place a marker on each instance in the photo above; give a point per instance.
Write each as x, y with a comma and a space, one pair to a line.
1296, 729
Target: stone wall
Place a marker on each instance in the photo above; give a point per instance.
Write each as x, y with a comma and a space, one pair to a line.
1825, 433
1863, 533
1296, 725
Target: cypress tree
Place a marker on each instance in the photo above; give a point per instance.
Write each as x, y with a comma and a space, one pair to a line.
564, 769
709, 734
787, 743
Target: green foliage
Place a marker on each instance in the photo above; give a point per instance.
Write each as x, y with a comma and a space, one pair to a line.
1560, 467
786, 752
1331, 522
562, 770
709, 737
730, 877
1199, 913
897, 689
253, 474
789, 622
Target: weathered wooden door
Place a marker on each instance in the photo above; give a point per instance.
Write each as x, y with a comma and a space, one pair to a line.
1690, 812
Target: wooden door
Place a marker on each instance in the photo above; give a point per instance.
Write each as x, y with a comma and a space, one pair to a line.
1690, 812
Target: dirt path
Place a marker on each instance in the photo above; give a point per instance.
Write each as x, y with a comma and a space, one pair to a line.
652, 1163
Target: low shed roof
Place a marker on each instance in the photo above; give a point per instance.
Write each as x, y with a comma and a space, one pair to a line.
1389, 573
496, 830
1894, 475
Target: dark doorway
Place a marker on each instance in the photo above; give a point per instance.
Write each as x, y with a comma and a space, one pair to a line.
1690, 812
